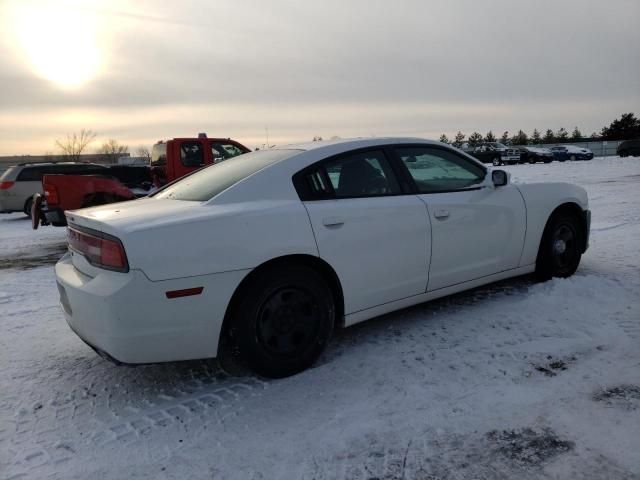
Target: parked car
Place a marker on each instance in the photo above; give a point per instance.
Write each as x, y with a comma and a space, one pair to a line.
20, 182
495, 153
571, 152
272, 251
529, 154
170, 160
629, 148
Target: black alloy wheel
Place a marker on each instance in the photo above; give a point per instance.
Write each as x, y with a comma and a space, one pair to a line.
561, 247
283, 319
564, 249
288, 320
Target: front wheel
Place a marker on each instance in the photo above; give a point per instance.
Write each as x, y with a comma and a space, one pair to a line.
561, 247
572, 158
283, 320
496, 161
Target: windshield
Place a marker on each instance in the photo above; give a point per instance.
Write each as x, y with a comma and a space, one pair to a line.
210, 181
159, 154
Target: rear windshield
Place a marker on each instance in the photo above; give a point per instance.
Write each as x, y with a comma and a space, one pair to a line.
210, 181
8, 173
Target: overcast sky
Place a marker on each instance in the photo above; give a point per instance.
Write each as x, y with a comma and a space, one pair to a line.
145, 70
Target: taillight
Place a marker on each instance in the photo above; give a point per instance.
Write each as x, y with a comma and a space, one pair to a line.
51, 194
100, 250
6, 185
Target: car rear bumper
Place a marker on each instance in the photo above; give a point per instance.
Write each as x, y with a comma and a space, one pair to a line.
9, 203
54, 216
128, 318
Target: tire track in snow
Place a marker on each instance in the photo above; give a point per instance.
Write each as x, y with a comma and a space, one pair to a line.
197, 403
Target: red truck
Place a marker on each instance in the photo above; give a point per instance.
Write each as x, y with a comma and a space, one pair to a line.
170, 160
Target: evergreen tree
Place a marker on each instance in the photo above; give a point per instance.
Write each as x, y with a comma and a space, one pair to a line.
505, 138
536, 139
549, 137
562, 135
444, 139
576, 134
459, 138
475, 139
490, 137
627, 128
519, 138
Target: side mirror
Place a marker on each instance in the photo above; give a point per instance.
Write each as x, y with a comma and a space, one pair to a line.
499, 178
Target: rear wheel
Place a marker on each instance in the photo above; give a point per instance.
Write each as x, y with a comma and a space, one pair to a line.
27, 206
561, 247
572, 158
283, 320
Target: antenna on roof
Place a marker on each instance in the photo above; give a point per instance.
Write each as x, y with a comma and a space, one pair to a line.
202, 135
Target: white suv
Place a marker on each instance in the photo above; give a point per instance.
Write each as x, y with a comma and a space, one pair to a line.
20, 182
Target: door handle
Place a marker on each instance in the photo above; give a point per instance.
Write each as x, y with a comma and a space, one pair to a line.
441, 213
333, 221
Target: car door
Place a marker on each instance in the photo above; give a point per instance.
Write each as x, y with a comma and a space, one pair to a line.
476, 229
375, 235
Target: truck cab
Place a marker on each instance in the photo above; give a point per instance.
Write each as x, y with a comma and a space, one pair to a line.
177, 157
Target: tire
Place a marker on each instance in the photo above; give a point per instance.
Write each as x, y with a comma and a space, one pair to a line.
572, 158
560, 248
282, 320
27, 206
496, 161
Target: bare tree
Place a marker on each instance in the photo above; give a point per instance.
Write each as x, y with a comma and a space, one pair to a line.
75, 143
144, 153
111, 150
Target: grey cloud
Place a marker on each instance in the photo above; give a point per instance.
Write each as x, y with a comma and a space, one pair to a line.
363, 53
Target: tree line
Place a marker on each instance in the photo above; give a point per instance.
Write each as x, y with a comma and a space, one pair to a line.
71, 148
625, 128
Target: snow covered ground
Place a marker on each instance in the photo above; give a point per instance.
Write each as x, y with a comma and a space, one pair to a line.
514, 380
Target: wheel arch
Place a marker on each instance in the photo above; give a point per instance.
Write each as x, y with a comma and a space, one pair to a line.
576, 210
316, 263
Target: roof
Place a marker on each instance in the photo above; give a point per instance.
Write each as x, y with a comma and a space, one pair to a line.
40, 164
351, 143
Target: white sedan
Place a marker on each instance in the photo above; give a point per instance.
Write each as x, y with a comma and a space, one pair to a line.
275, 249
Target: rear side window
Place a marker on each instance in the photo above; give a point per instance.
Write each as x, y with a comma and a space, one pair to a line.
208, 182
191, 154
222, 151
30, 174
354, 175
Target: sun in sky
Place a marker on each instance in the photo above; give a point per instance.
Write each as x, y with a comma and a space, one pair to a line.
58, 40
